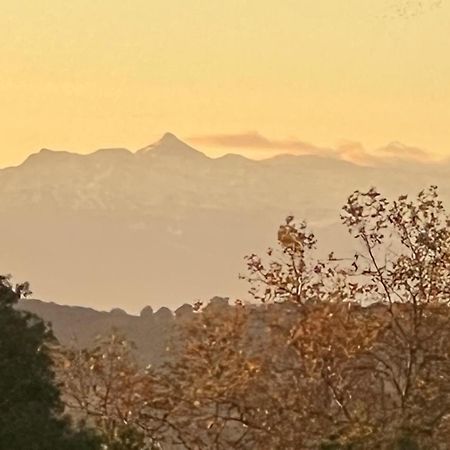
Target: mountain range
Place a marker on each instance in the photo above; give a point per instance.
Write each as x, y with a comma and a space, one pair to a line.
166, 225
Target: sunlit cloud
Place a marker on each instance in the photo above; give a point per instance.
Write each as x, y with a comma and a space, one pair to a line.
356, 153
401, 151
392, 152
255, 140
350, 151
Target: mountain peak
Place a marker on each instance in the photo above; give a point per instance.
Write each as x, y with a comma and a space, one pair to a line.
169, 137
46, 156
170, 145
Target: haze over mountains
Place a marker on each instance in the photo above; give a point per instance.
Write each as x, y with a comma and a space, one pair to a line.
168, 225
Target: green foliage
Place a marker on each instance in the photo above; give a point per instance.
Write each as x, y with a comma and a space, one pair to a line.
406, 443
128, 438
31, 409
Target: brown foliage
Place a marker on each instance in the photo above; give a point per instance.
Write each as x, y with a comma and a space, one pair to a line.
343, 353
104, 386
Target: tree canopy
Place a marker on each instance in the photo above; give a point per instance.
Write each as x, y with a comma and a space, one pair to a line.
30, 402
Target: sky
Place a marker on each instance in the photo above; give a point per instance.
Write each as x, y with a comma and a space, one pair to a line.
87, 74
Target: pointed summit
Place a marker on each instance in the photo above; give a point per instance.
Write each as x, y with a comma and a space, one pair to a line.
169, 137
169, 145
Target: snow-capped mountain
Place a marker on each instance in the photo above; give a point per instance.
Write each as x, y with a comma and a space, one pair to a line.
167, 224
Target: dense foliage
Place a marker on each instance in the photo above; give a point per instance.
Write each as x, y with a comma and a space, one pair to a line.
29, 397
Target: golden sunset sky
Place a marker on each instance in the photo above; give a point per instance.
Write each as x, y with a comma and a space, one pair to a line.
85, 74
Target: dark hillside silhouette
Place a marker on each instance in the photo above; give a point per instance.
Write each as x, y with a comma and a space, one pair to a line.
29, 396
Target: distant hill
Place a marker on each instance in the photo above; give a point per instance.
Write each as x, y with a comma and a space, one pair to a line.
167, 225
152, 332
155, 334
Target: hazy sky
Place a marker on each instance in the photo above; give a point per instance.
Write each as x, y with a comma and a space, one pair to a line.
85, 74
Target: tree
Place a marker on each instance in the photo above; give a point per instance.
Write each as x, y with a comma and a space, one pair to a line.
357, 351
209, 380
105, 386
373, 332
326, 332
31, 416
405, 264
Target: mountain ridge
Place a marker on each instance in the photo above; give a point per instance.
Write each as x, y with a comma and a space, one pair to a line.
116, 228
170, 145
